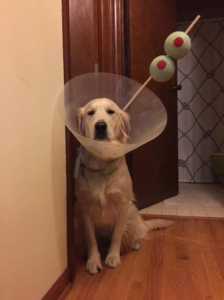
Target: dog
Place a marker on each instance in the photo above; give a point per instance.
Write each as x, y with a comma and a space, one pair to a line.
105, 205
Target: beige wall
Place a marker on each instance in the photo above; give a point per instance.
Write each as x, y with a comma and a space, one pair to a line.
32, 150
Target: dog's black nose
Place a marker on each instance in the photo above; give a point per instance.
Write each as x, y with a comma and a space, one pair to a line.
100, 126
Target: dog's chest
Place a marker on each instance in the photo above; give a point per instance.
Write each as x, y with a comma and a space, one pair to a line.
102, 197
103, 216
98, 188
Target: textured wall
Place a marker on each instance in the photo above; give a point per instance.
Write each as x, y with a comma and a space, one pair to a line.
32, 149
201, 102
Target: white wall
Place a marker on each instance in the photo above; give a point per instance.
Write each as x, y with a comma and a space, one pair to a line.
32, 149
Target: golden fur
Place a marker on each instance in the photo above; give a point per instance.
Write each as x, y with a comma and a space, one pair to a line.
105, 205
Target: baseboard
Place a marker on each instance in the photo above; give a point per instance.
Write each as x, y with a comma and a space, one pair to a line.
60, 288
149, 217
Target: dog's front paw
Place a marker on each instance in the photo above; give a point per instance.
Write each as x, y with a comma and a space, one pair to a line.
136, 246
113, 260
93, 265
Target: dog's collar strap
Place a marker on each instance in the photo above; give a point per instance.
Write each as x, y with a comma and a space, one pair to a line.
78, 164
92, 170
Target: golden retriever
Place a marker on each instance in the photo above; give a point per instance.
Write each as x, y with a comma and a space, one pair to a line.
105, 205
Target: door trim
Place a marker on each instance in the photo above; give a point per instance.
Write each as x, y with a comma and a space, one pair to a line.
110, 15
69, 148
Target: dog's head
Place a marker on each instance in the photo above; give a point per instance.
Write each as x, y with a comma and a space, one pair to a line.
102, 120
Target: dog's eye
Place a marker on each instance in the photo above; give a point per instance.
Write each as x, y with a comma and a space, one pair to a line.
90, 113
110, 112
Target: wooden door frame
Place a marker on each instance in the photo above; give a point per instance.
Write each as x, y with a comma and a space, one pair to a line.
109, 55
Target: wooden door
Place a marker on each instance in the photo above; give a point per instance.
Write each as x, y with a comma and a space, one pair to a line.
154, 166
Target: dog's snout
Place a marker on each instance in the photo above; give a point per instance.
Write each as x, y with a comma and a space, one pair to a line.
101, 131
100, 126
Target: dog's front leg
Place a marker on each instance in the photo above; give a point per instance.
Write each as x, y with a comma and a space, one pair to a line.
113, 257
93, 264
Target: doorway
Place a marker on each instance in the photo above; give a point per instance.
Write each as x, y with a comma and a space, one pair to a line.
108, 36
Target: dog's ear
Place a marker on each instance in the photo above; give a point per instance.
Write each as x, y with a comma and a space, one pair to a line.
81, 126
124, 123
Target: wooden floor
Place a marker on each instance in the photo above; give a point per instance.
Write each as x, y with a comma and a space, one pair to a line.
185, 261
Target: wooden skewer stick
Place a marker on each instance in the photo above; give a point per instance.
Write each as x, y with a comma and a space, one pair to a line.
147, 81
192, 24
136, 94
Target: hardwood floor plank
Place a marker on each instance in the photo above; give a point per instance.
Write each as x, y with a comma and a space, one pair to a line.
140, 274
169, 285
183, 278
214, 261
155, 267
185, 261
135, 287
116, 281
196, 248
